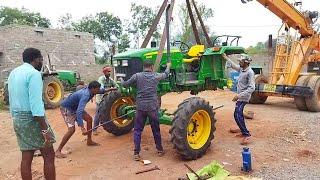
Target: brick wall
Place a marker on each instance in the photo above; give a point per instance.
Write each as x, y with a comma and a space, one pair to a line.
67, 49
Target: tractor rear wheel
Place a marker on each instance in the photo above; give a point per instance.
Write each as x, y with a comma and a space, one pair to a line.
193, 128
53, 91
313, 102
300, 101
256, 97
110, 108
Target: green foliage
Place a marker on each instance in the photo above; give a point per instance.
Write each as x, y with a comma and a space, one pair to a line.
186, 32
100, 60
103, 25
142, 18
22, 17
124, 43
260, 48
65, 22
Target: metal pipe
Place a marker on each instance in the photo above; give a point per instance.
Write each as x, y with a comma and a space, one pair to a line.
168, 33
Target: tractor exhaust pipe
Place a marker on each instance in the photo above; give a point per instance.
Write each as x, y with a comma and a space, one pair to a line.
168, 33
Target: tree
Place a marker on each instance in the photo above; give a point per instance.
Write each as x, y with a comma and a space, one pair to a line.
260, 48
142, 18
65, 22
186, 33
124, 43
22, 17
103, 26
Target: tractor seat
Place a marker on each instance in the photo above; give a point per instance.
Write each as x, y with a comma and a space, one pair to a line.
194, 53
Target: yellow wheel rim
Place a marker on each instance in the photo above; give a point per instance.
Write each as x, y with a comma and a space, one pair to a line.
54, 92
199, 129
121, 122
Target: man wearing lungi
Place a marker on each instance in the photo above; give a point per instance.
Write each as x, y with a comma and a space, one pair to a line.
27, 110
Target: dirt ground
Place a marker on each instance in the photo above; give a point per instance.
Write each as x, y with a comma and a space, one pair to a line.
285, 145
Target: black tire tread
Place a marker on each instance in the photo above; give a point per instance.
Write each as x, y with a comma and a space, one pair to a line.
312, 102
300, 101
180, 121
255, 97
104, 109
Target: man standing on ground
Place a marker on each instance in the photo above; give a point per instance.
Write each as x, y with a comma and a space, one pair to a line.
147, 104
106, 82
245, 87
72, 110
27, 110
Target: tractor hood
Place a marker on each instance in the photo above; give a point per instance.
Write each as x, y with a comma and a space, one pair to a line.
137, 53
141, 53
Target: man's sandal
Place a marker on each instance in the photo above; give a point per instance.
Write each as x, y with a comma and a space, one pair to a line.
161, 153
136, 157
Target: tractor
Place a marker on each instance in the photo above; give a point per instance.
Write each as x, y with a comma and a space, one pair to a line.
197, 69
193, 69
53, 84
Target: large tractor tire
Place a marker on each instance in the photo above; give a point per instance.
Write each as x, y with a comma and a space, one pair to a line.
53, 92
300, 101
313, 102
256, 97
109, 109
193, 128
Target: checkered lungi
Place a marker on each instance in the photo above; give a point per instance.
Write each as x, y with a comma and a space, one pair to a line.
28, 131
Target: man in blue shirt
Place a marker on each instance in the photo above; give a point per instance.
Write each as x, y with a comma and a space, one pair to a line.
147, 103
27, 110
72, 110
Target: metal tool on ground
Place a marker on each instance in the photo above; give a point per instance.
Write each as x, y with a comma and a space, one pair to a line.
108, 122
218, 107
145, 162
147, 170
191, 170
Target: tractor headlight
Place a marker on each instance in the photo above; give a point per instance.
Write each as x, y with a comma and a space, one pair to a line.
115, 63
125, 63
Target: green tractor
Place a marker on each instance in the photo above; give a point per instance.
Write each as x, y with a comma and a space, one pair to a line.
54, 83
192, 69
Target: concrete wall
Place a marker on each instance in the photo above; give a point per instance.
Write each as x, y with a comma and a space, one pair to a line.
67, 49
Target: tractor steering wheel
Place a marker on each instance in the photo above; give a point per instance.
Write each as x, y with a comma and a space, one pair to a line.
184, 47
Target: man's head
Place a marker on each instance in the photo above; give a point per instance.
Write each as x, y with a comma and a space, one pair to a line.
148, 65
94, 87
107, 71
244, 60
33, 56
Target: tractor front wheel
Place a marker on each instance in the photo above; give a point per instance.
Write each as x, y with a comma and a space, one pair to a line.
110, 108
53, 92
193, 128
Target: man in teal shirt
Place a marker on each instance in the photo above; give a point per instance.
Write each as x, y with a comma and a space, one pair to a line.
27, 110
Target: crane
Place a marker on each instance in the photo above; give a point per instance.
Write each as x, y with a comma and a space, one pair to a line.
292, 53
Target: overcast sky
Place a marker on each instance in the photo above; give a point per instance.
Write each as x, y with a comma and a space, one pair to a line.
252, 21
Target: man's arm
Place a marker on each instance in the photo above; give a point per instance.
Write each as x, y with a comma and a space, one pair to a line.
114, 84
130, 82
100, 80
37, 106
161, 76
82, 104
35, 99
232, 64
251, 85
